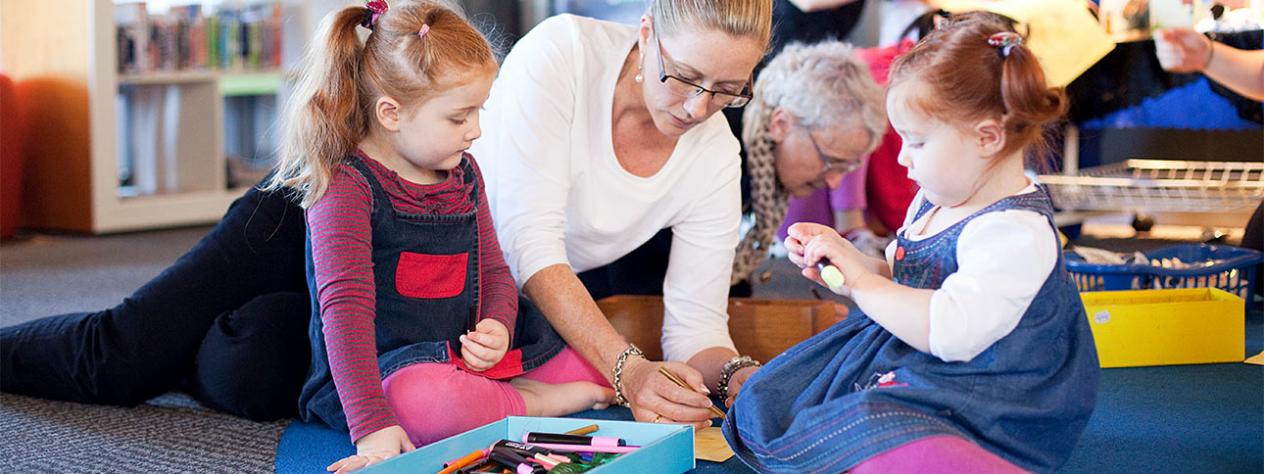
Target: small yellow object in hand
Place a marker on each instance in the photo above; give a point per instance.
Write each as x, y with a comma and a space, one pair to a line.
830, 274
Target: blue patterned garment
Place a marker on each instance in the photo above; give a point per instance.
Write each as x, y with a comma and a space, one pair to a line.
855, 390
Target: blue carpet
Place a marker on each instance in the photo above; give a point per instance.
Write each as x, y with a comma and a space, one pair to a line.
1191, 418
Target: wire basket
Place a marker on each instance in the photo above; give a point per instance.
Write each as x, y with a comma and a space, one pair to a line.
1160, 186
1232, 269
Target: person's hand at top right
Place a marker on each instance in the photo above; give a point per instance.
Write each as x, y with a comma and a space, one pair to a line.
1182, 49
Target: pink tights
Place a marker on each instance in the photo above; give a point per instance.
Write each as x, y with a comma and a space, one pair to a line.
435, 401
936, 454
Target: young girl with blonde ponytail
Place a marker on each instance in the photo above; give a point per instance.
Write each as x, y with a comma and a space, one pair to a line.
416, 331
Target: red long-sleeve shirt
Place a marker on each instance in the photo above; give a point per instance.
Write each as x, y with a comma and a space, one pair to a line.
342, 253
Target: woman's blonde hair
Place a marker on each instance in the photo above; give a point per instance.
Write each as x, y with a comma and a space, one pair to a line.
331, 108
741, 18
821, 85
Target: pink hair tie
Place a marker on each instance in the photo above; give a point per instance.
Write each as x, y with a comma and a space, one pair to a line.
424, 29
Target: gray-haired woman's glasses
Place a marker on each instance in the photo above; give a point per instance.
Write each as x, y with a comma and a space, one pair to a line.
685, 88
829, 166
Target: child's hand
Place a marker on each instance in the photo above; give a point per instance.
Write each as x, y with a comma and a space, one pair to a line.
373, 448
485, 346
798, 236
841, 253
737, 381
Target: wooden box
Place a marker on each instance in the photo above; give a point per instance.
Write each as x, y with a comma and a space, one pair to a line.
761, 328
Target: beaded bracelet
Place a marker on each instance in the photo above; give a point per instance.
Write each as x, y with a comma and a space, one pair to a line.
731, 367
632, 350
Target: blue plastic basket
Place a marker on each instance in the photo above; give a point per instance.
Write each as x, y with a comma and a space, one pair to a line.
1236, 271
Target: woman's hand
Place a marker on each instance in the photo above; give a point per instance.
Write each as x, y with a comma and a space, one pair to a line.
736, 381
656, 399
485, 346
373, 448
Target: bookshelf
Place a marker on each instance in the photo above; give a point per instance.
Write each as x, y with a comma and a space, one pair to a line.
114, 152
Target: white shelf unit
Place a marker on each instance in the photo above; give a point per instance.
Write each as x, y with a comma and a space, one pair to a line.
72, 88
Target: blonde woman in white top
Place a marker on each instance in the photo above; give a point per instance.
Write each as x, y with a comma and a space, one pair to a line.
596, 137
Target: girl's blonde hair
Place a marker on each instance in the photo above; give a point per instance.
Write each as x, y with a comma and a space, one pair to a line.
332, 106
820, 85
740, 18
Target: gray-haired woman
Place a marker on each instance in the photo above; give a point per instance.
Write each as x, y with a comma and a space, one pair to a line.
816, 115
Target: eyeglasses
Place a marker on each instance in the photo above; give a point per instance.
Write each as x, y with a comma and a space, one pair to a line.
832, 167
684, 88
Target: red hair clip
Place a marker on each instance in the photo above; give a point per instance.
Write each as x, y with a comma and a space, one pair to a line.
1006, 41
372, 10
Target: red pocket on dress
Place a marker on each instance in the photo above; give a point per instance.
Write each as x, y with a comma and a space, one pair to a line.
420, 275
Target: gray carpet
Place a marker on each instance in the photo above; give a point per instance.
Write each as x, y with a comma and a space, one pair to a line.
53, 274
169, 434
42, 275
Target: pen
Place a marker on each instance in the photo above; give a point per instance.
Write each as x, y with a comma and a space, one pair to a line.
584, 430
681, 383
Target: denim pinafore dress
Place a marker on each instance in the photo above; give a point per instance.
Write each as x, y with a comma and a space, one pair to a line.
855, 390
426, 273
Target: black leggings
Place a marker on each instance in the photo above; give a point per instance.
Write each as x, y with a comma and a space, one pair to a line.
227, 323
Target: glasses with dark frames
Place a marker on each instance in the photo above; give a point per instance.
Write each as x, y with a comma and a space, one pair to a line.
685, 88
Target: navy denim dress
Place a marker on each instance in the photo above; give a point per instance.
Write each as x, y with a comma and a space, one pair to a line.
426, 271
856, 390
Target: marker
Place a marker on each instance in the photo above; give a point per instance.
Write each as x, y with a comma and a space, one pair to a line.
830, 274
554, 438
510, 459
681, 383
528, 451
466, 460
547, 462
481, 467
579, 448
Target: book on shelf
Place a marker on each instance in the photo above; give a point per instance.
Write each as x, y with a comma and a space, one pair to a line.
197, 38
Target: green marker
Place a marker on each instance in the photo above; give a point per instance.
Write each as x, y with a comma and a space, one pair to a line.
830, 274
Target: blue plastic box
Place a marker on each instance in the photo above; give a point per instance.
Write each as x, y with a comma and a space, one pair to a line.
665, 448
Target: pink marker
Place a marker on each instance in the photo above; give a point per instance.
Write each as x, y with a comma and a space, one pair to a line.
579, 448
554, 438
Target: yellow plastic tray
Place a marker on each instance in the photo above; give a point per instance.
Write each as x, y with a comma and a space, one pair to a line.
1166, 327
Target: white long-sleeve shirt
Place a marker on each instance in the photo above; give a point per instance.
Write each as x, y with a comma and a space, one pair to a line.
559, 195
1003, 258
